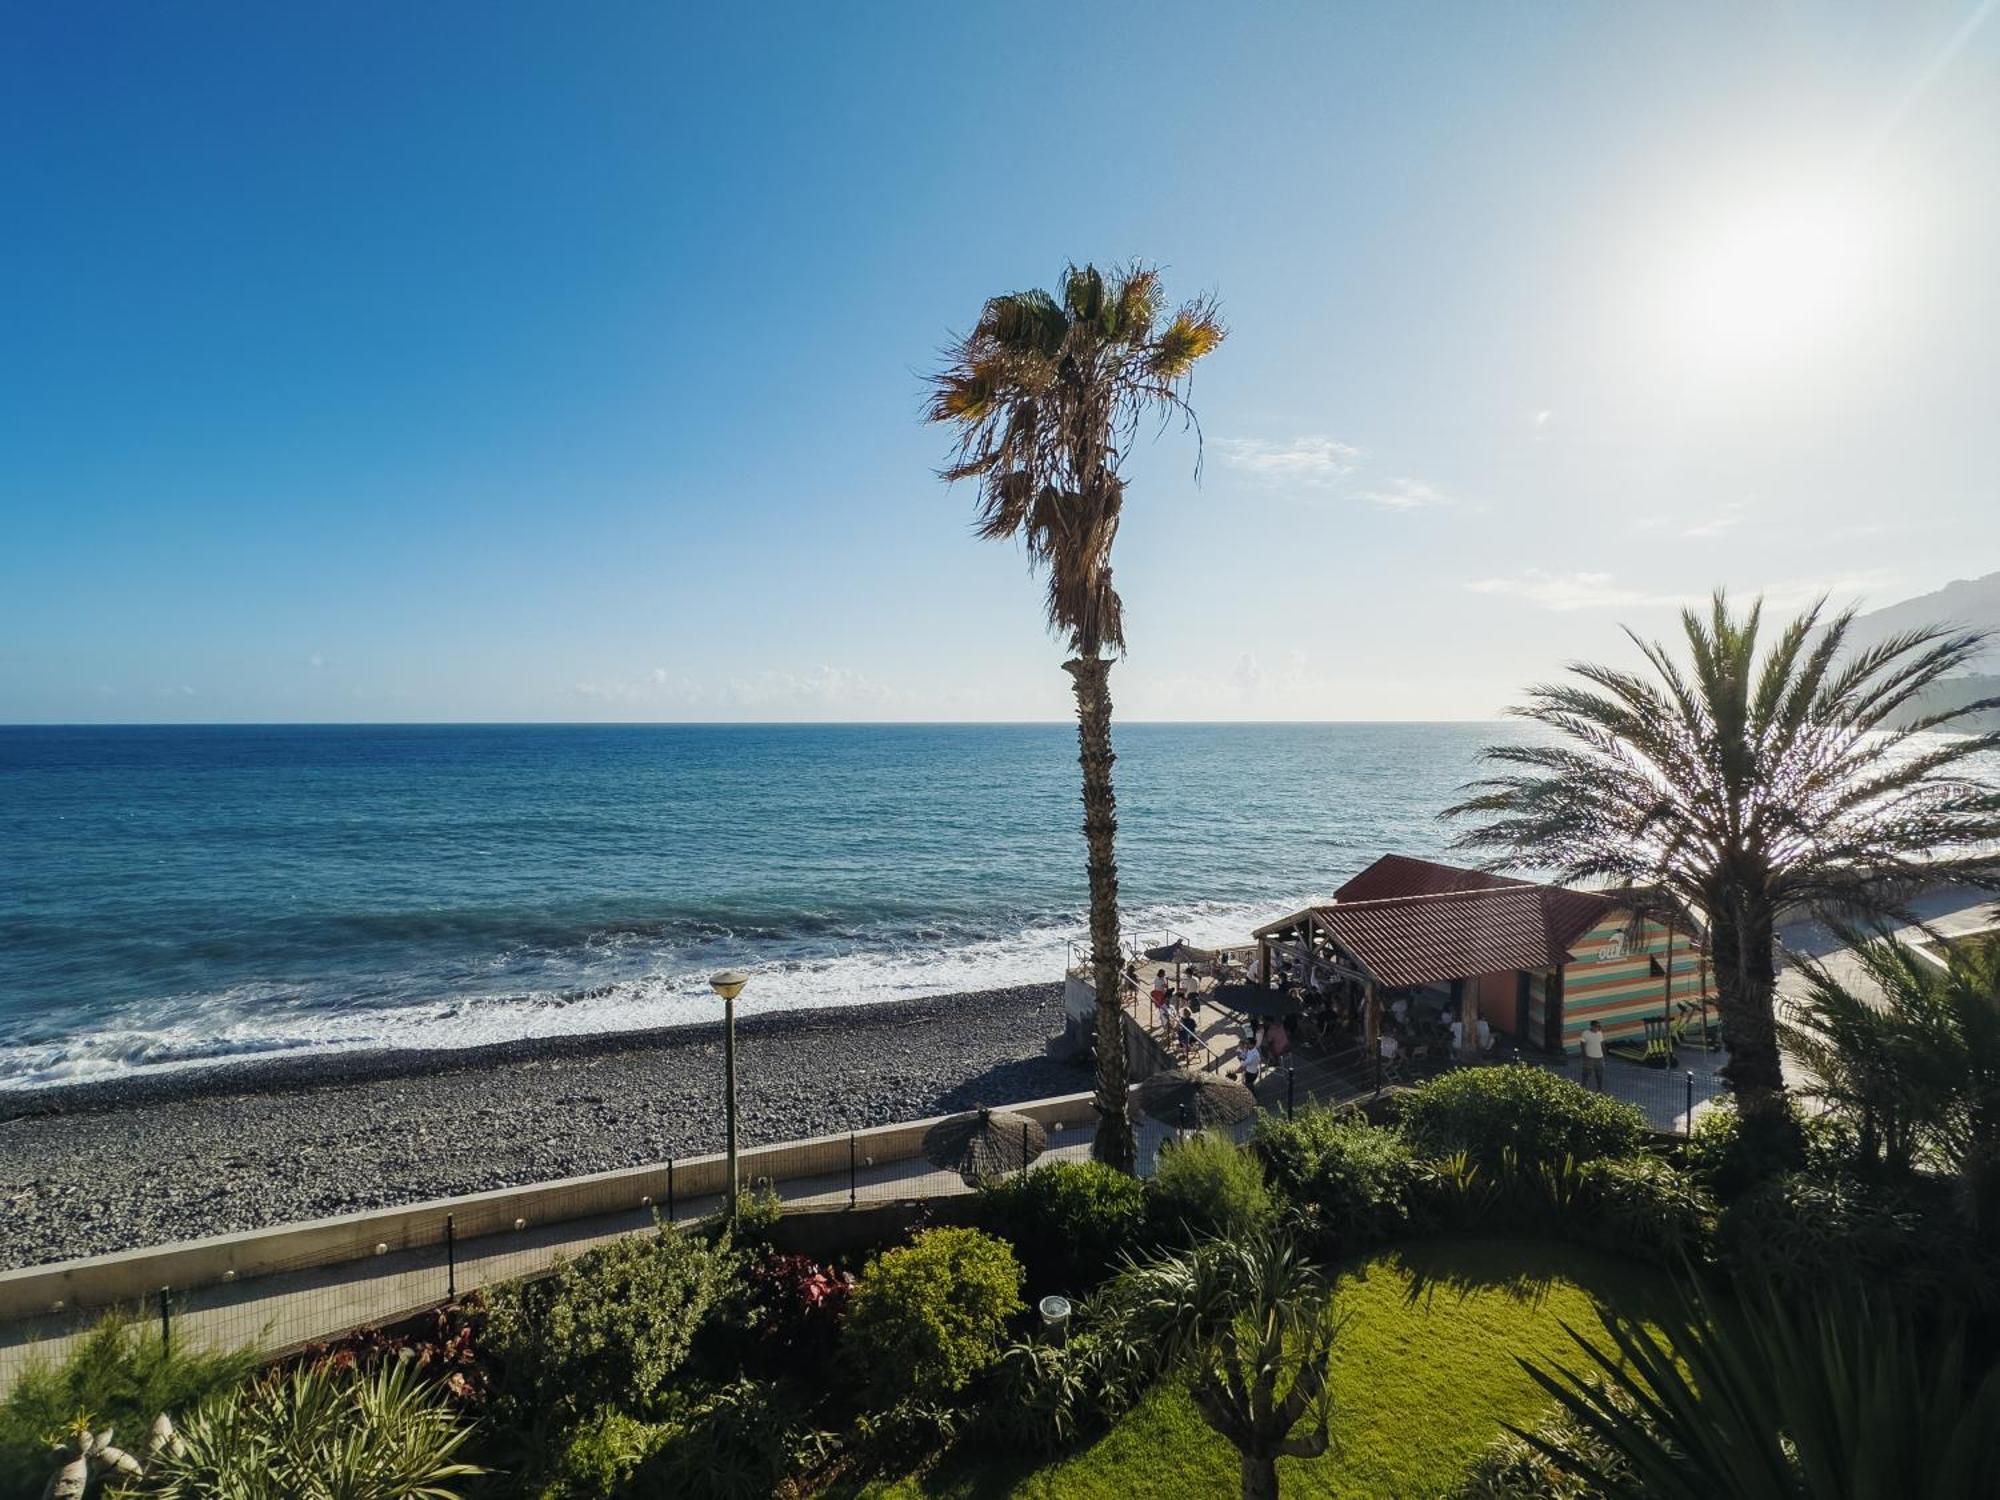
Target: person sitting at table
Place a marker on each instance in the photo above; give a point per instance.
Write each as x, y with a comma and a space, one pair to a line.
1485, 1036
1400, 1009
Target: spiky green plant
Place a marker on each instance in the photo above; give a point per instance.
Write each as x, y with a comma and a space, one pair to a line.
1913, 1061
1047, 393
1758, 1400
1758, 777
1250, 1323
317, 1433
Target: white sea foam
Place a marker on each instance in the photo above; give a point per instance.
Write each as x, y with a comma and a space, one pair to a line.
246, 1022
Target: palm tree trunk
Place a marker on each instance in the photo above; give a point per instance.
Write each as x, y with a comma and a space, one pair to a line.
1746, 989
1260, 1477
1114, 1144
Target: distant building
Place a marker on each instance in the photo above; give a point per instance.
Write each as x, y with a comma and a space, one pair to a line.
1537, 962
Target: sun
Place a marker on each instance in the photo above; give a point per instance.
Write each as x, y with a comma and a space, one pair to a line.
1773, 283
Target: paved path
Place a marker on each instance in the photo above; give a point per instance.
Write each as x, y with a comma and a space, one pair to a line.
282, 1311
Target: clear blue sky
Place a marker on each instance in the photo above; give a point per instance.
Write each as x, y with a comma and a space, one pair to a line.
563, 362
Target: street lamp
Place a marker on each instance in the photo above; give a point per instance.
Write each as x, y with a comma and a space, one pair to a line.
729, 984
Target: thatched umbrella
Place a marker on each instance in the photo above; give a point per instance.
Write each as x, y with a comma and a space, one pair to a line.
1181, 1096
985, 1143
1179, 951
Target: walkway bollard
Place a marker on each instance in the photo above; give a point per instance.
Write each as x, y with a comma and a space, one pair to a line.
670, 1190
1291, 1088
450, 1258
853, 1171
166, 1329
1025, 1127
1687, 1128
1378, 1072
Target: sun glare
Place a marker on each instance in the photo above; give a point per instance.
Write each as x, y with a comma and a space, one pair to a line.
1770, 285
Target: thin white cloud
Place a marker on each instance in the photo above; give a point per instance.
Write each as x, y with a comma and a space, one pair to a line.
1570, 591
1543, 418
1402, 493
1723, 521
1305, 460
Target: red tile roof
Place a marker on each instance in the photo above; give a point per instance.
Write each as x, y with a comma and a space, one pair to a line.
1482, 924
1399, 875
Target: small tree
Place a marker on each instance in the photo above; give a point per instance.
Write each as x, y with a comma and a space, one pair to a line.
1251, 1324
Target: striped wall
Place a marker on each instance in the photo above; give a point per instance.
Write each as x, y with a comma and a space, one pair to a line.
1621, 994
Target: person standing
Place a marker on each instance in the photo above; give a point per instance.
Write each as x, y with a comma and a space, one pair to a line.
1251, 1062
1593, 1057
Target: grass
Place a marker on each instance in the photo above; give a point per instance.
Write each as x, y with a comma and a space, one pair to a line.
1425, 1374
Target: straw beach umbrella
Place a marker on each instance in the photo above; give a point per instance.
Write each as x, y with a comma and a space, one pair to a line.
1181, 1096
982, 1144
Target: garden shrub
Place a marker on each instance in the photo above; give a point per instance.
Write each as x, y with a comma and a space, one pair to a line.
1806, 1231
738, 1442
1069, 1222
1358, 1183
609, 1328
1043, 1397
601, 1455
1732, 1155
1538, 1116
925, 1318
796, 1304
117, 1377
1207, 1185
1641, 1205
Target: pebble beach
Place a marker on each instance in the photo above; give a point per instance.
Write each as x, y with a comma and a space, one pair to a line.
151, 1159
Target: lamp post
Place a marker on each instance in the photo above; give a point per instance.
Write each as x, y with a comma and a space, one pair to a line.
729, 984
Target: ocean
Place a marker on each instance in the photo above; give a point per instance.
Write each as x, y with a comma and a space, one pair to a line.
186, 894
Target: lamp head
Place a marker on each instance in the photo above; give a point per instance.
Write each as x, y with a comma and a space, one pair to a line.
729, 983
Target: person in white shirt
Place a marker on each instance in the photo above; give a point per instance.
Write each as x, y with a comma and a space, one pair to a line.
1251, 1061
1457, 1033
1400, 1009
1593, 1057
1485, 1036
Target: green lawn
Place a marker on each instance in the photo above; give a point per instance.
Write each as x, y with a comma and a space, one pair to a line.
1425, 1375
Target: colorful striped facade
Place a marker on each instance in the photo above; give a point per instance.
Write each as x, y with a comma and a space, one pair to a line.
1623, 974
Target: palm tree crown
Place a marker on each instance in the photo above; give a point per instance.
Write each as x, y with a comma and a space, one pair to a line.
1047, 395
1746, 783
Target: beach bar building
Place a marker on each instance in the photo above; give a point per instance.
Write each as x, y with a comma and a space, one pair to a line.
1536, 962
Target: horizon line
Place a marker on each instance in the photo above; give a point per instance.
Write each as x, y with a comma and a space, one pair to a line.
684, 723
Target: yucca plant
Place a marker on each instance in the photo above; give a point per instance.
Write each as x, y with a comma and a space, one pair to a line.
1047, 393
1250, 1322
1761, 1400
1758, 777
317, 1433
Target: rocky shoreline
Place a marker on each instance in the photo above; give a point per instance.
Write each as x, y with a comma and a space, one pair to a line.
125, 1163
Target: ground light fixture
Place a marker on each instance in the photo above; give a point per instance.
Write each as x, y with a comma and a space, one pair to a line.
729, 984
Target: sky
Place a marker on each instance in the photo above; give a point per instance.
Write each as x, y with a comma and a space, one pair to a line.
565, 362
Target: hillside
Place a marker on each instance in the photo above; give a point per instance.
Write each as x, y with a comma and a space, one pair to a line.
1973, 602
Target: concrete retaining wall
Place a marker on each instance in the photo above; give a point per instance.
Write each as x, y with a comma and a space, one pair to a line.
108, 1280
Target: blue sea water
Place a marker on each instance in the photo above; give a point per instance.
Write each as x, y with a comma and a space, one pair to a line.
171, 895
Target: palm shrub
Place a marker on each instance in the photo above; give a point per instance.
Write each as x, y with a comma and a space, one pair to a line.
1755, 777
928, 1316
738, 1441
1068, 1221
1840, 1398
1525, 1111
610, 1328
1913, 1065
1731, 1153
317, 1433
117, 1377
1207, 1185
1249, 1323
1046, 394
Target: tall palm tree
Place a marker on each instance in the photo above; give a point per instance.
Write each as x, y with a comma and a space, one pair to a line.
1749, 783
1047, 393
